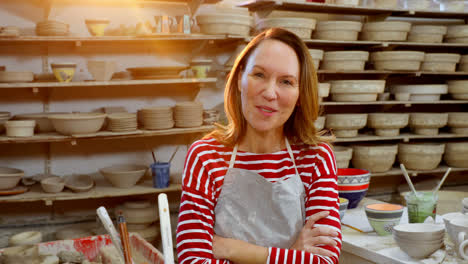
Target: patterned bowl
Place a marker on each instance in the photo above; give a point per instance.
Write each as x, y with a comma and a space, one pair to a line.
343, 206
353, 185
383, 217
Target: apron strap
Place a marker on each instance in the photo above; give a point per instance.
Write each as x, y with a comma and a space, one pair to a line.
234, 153
291, 154
233, 157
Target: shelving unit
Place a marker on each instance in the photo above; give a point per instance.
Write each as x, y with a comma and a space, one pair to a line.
264, 7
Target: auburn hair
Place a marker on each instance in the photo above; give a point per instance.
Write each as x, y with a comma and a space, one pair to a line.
299, 128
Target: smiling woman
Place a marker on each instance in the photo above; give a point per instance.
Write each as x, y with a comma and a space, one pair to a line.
248, 195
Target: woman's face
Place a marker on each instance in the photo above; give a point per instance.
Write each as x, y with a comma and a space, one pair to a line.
269, 86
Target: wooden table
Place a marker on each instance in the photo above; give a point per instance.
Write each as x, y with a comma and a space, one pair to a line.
368, 247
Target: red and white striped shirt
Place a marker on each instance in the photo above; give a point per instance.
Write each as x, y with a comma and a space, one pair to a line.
206, 164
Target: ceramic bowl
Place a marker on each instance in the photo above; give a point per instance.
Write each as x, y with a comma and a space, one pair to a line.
101, 70
458, 122
138, 212
387, 124
300, 26
25, 238
64, 72
323, 90
427, 123
338, 30
346, 125
456, 154
20, 128
77, 123
397, 60
53, 184
343, 206
345, 60
356, 90
96, 27
317, 56
124, 176
419, 231
353, 185
374, 158
343, 155
418, 249
79, 182
319, 123
420, 156
383, 217
10, 177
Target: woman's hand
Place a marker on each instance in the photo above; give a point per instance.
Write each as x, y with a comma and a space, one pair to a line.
220, 247
238, 251
311, 236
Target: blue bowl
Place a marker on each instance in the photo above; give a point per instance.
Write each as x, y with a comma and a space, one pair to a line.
354, 197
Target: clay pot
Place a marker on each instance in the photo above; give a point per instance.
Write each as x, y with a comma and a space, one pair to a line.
427, 123
345, 60
374, 158
231, 24
342, 155
456, 154
420, 156
458, 122
25, 238
419, 92
385, 31
138, 212
53, 184
338, 30
346, 125
356, 90
300, 26
387, 124
397, 60
440, 62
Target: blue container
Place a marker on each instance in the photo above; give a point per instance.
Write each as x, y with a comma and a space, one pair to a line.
160, 172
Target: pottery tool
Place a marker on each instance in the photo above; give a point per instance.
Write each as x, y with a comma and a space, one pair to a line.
405, 173
352, 227
109, 226
173, 154
127, 251
442, 181
166, 233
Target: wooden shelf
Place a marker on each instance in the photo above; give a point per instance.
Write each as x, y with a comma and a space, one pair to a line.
396, 102
106, 83
415, 73
103, 189
101, 135
79, 41
260, 5
397, 171
405, 137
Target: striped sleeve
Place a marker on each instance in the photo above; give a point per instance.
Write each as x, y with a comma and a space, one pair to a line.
318, 166
196, 215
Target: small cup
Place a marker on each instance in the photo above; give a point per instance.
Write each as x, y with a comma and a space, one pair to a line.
421, 206
161, 173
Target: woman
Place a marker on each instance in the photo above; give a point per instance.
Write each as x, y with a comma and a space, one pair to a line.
263, 189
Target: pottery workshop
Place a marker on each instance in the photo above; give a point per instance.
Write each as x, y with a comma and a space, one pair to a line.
233, 131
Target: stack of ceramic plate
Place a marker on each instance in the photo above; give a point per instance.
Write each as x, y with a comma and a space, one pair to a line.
51, 28
121, 122
157, 72
4, 116
153, 118
188, 114
9, 31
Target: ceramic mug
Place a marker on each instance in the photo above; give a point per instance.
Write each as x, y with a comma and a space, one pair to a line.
459, 229
164, 23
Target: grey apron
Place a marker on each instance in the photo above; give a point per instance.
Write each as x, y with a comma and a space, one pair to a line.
252, 209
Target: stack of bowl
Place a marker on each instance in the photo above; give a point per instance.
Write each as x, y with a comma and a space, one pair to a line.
440, 62
317, 56
419, 240
458, 122
52, 28
387, 124
158, 117
383, 217
345, 60
374, 158
397, 60
427, 123
141, 217
420, 156
385, 31
338, 30
356, 90
4, 116
458, 89
353, 185
188, 114
457, 34
346, 125
122, 122
456, 154
427, 33
343, 155
300, 26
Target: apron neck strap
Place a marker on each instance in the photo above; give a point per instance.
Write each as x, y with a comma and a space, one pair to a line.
234, 153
